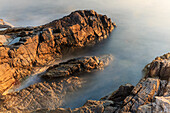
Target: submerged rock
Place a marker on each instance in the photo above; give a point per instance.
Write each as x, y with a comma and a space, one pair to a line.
41, 45
78, 65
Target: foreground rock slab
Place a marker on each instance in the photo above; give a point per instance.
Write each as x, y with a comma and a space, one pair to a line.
39, 46
46, 95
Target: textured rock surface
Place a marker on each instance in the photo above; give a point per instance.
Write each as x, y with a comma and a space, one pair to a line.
160, 67
46, 95
162, 104
142, 93
38, 46
78, 65
50, 94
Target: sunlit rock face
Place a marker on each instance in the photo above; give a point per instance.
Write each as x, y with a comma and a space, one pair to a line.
38, 46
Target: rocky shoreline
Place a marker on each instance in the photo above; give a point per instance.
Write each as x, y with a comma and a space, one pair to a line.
42, 45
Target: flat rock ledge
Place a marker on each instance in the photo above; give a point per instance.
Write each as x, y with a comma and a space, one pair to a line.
41, 45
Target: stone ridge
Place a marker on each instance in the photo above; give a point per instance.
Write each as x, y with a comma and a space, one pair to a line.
40, 45
77, 66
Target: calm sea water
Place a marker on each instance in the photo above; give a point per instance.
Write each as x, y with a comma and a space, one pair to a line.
141, 35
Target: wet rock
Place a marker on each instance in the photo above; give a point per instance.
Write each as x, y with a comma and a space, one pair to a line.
78, 65
44, 95
44, 44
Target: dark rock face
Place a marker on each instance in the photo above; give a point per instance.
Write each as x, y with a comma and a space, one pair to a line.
77, 66
40, 45
50, 94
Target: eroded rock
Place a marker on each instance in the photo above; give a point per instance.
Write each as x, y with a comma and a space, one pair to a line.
160, 67
4, 39
46, 95
77, 66
143, 93
41, 45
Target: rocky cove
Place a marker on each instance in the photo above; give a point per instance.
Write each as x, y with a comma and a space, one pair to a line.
42, 45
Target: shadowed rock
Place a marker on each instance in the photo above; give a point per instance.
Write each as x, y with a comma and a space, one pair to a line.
38, 46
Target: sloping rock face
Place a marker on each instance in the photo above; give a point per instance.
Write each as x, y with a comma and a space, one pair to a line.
49, 94
40, 45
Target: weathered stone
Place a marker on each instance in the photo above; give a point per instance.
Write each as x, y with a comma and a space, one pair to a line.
162, 105
160, 67
145, 108
143, 93
78, 65
120, 94
46, 95
91, 106
38, 46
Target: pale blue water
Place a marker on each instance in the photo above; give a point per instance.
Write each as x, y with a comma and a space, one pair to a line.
141, 35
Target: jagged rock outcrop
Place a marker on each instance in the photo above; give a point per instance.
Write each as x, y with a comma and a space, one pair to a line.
77, 66
160, 67
50, 94
37, 46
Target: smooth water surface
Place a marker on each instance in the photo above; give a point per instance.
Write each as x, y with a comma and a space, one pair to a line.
141, 35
